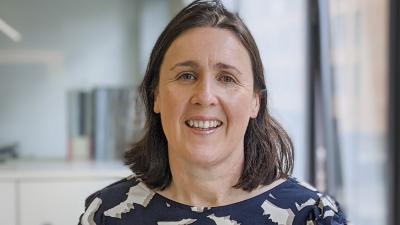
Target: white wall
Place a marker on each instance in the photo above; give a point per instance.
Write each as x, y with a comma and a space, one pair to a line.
65, 45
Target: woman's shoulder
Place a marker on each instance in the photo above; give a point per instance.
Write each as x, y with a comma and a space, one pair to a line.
114, 190
303, 200
296, 189
115, 199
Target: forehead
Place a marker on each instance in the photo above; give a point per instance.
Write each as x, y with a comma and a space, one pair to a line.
208, 43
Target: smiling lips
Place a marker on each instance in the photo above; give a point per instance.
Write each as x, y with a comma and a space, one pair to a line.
203, 124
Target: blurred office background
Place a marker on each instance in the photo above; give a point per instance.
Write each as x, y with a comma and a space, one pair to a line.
69, 72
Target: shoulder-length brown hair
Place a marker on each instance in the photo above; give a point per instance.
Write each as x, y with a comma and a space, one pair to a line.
268, 150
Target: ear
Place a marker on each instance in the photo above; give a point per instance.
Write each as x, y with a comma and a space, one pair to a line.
255, 105
156, 107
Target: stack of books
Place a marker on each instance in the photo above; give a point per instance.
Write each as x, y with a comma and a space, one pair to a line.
102, 123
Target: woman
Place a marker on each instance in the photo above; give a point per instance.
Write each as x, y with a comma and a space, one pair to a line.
211, 153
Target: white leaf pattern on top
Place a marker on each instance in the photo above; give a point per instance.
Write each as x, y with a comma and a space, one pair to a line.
226, 220
139, 194
328, 213
270, 195
88, 216
328, 201
182, 222
278, 215
307, 203
199, 209
309, 222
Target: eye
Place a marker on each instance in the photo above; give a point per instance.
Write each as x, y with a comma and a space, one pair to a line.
226, 79
186, 76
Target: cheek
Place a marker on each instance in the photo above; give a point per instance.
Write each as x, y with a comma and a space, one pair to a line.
238, 110
171, 106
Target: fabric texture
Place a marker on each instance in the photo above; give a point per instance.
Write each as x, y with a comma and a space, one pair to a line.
131, 202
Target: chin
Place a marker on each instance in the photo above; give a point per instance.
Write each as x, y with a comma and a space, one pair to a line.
206, 157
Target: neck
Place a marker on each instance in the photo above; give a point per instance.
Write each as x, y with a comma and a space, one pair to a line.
205, 186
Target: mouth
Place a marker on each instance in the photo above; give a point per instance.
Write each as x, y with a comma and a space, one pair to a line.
203, 125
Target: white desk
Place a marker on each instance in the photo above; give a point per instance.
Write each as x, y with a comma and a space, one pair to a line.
51, 192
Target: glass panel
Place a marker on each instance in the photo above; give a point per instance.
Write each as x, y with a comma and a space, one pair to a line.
280, 30
359, 64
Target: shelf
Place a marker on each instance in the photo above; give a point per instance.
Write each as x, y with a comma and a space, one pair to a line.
61, 169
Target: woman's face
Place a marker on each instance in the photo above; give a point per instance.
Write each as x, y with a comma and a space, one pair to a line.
205, 97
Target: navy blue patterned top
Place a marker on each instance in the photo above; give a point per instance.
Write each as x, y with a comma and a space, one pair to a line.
131, 202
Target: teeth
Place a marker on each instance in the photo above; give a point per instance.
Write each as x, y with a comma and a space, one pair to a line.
204, 124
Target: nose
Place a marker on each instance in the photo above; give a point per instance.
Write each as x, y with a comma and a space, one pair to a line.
204, 92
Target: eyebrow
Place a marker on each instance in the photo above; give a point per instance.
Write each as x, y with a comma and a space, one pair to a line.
226, 66
189, 63
193, 64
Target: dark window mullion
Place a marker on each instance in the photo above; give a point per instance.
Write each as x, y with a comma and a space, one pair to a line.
394, 111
